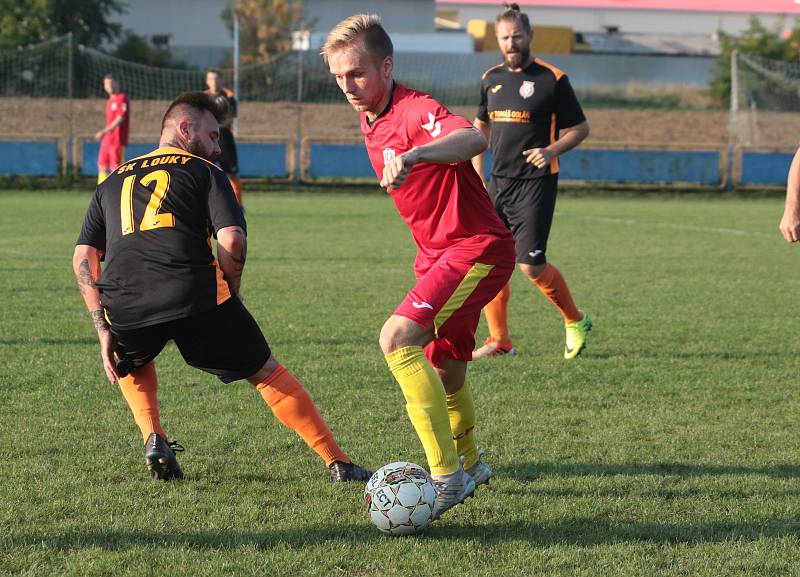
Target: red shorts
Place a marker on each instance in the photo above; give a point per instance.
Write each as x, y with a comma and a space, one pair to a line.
111, 153
450, 296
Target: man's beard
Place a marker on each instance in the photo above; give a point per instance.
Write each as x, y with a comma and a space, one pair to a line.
517, 59
196, 148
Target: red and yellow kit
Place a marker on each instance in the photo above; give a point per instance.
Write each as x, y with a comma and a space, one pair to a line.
115, 141
465, 254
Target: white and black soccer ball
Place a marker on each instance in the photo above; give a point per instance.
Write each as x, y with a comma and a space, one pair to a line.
399, 498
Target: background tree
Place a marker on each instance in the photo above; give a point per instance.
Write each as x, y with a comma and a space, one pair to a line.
25, 22
265, 27
759, 41
135, 48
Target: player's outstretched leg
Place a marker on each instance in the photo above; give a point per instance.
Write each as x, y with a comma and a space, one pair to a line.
293, 406
140, 389
552, 285
498, 343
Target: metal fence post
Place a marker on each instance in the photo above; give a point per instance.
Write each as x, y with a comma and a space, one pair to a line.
68, 159
732, 120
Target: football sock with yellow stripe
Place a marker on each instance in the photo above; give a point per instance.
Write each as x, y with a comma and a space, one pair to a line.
293, 406
497, 316
140, 390
101, 176
461, 410
426, 406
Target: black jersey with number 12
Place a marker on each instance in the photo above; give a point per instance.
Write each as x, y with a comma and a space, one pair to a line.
153, 217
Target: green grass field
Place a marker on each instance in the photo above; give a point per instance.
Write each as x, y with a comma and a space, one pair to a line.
671, 447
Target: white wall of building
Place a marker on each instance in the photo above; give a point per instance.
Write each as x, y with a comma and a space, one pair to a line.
628, 21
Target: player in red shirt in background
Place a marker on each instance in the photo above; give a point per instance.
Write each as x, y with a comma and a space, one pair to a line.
421, 153
115, 133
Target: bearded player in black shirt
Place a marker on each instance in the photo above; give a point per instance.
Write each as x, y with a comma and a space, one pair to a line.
530, 116
151, 222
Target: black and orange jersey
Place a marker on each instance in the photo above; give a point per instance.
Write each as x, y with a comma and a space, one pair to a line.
227, 99
526, 109
153, 217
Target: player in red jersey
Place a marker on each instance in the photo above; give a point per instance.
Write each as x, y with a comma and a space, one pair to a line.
114, 134
421, 154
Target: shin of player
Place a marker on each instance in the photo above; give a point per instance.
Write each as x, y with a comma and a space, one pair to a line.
420, 152
531, 116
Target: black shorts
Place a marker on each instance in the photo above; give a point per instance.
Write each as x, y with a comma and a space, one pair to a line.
225, 342
228, 159
527, 207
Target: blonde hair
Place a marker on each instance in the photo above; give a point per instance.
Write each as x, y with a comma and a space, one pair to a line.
359, 27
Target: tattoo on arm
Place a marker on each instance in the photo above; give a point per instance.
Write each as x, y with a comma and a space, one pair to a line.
85, 280
99, 320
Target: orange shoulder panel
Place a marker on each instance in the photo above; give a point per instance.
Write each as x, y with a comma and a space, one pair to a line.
490, 69
556, 72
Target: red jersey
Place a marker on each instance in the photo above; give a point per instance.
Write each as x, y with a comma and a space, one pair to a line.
446, 206
116, 106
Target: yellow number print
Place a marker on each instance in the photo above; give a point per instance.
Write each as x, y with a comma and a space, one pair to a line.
152, 217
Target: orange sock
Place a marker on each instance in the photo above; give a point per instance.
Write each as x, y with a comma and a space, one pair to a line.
293, 406
236, 184
140, 391
497, 316
552, 285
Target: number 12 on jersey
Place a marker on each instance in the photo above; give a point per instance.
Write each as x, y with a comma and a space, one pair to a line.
152, 218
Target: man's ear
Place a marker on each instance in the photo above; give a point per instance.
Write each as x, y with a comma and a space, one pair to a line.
183, 129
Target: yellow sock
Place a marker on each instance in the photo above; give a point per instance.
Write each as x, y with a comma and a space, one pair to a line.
101, 176
426, 406
461, 411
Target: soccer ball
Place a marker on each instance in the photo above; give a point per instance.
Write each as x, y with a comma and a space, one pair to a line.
399, 498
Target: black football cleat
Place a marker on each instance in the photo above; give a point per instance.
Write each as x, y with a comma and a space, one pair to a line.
159, 455
342, 472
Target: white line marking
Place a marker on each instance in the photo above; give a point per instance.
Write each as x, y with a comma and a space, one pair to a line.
675, 226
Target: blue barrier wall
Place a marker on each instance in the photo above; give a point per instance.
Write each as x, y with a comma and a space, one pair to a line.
262, 160
256, 160
642, 166
339, 161
30, 158
630, 166
765, 167
638, 166
90, 150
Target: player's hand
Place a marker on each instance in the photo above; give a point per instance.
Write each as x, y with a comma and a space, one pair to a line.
539, 157
790, 225
108, 348
397, 170
98, 135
